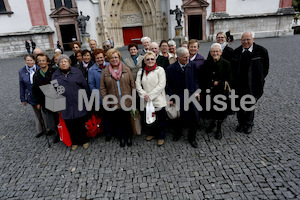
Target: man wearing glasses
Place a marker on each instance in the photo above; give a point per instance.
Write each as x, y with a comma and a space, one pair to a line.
249, 72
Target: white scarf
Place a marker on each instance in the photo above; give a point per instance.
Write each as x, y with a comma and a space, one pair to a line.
223, 45
31, 71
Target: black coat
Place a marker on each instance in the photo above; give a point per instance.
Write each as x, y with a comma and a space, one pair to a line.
84, 70
73, 60
258, 70
176, 87
214, 71
38, 80
227, 54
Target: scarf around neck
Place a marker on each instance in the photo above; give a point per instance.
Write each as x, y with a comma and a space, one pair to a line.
223, 45
150, 69
31, 71
116, 75
134, 58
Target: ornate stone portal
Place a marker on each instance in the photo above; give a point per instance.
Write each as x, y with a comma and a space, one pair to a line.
117, 14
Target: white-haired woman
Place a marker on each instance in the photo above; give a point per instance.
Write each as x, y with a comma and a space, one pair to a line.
72, 80
150, 85
213, 75
146, 44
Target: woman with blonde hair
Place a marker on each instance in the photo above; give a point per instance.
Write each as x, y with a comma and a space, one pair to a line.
117, 81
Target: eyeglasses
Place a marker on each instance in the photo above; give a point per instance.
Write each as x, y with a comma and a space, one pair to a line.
150, 59
114, 58
246, 40
220, 37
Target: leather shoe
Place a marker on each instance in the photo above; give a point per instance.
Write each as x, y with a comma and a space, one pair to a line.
218, 134
176, 138
107, 138
248, 129
194, 144
160, 142
122, 143
150, 137
239, 128
39, 134
129, 142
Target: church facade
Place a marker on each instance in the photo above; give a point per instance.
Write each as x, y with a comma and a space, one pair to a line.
49, 21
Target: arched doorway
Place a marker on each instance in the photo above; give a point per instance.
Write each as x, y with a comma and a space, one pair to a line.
131, 22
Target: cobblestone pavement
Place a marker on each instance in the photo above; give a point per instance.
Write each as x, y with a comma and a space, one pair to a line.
262, 165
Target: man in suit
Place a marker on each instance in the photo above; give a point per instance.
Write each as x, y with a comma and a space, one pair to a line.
182, 75
146, 44
250, 70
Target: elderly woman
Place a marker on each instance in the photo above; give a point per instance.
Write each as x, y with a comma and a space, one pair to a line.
43, 77
160, 60
116, 82
164, 48
26, 82
75, 47
86, 63
215, 72
172, 47
72, 80
150, 85
134, 62
146, 44
227, 52
193, 47
54, 60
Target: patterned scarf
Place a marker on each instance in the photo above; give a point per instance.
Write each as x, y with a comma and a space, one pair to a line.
31, 71
116, 75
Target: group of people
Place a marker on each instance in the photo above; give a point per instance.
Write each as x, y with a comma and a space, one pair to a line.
27, 46
161, 74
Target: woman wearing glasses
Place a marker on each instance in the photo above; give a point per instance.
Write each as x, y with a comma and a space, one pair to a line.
150, 85
227, 53
117, 83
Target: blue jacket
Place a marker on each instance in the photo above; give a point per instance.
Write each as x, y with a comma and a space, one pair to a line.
199, 61
25, 85
94, 76
72, 83
176, 86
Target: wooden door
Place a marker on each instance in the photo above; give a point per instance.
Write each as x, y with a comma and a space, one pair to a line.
132, 34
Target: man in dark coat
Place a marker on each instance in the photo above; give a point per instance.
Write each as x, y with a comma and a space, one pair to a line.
249, 72
27, 46
182, 75
33, 45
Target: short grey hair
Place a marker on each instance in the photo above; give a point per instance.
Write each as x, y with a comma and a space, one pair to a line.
216, 45
172, 42
251, 32
180, 51
153, 43
145, 38
63, 56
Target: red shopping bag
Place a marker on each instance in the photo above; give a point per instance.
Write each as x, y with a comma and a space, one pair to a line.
63, 132
94, 126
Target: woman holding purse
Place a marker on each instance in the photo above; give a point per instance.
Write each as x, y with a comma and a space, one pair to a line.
150, 85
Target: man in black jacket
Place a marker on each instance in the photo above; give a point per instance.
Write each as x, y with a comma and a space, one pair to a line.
250, 70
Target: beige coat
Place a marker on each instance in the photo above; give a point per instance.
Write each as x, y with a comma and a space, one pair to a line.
154, 85
171, 57
134, 68
108, 85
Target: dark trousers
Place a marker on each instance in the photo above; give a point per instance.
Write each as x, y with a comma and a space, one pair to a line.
191, 122
158, 129
77, 130
119, 120
245, 118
